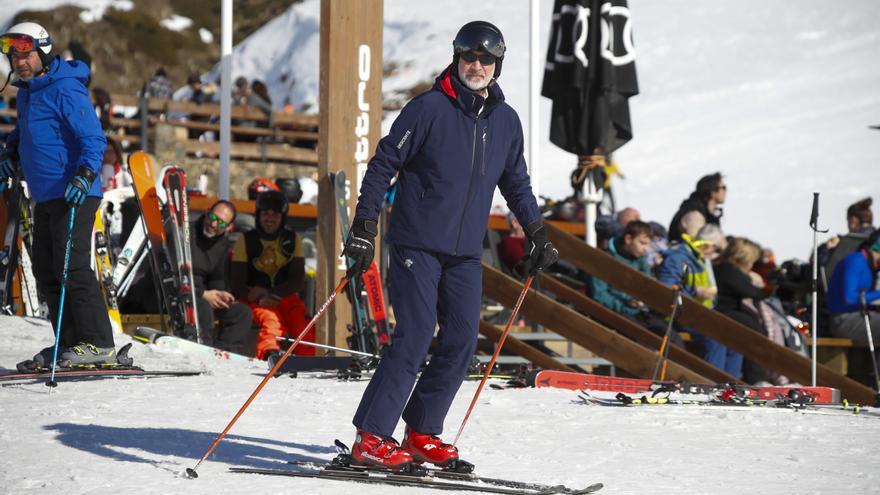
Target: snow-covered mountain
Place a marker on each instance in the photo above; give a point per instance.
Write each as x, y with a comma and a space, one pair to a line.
778, 96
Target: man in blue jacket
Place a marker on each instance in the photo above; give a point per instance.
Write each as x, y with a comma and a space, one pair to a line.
58, 144
450, 147
854, 278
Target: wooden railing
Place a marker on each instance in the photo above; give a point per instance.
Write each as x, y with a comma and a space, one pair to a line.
708, 322
292, 138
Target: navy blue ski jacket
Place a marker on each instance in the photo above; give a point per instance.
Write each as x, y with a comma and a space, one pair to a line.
449, 156
57, 130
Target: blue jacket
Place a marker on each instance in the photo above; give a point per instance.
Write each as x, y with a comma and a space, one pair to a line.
852, 275
672, 268
57, 130
449, 159
611, 297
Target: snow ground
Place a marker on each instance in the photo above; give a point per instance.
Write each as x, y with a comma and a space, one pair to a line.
136, 436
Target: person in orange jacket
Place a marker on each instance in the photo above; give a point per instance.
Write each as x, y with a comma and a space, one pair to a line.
268, 271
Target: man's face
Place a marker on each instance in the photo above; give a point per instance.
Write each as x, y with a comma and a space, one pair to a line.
270, 221
637, 246
27, 65
474, 74
218, 221
720, 193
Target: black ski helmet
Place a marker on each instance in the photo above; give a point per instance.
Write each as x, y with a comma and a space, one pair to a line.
483, 36
272, 200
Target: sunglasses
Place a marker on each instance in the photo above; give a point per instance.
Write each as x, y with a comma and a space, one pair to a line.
220, 223
471, 57
20, 42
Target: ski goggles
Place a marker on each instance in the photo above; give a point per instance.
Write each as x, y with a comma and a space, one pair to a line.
471, 57
220, 223
21, 43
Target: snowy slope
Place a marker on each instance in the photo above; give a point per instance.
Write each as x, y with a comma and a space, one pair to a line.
135, 436
776, 95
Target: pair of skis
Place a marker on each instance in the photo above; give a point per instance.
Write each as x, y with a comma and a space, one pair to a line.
165, 218
342, 469
368, 334
122, 368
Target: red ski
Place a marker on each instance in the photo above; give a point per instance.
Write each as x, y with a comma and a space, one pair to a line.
586, 381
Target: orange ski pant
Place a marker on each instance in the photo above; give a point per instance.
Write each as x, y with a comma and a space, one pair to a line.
287, 319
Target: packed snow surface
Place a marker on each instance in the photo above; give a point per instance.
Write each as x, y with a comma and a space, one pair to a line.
137, 435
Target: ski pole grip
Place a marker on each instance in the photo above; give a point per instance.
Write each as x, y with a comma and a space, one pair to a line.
814, 216
863, 302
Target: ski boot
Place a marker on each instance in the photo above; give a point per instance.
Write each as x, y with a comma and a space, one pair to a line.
42, 360
372, 450
429, 448
86, 355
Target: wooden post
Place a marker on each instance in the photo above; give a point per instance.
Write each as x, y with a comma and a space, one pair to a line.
350, 126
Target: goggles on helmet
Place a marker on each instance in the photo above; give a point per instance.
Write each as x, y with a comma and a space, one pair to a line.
479, 39
21, 43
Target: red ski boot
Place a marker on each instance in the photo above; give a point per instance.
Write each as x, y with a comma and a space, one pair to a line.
372, 450
429, 448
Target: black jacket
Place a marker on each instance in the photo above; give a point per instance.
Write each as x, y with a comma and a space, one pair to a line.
733, 287
210, 258
693, 203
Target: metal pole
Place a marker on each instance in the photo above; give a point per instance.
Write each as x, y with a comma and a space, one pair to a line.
225, 96
814, 330
534, 95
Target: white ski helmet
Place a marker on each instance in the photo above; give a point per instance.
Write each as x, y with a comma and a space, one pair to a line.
41, 38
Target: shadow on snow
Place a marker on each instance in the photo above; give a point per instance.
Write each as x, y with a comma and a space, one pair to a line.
120, 443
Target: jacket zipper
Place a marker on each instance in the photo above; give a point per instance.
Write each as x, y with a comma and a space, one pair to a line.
483, 158
470, 182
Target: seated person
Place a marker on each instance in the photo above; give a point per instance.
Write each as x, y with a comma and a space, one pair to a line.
739, 291
699, 283
209, 245
268, 270
853, 277
631, 249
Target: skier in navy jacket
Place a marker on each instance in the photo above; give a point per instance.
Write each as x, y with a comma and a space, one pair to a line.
450, 147
58, 144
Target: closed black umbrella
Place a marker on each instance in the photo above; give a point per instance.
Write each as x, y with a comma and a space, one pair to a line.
589, 75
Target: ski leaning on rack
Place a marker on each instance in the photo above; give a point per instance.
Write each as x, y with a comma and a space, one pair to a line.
176, 220
162, 255
9, 249
104, 270
363, 337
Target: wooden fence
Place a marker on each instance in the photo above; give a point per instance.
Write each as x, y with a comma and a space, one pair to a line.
292, 138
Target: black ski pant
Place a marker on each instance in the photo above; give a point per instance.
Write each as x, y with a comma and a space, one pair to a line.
85, 316
235, 333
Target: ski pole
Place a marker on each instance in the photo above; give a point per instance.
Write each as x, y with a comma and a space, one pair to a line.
522, 296
664, 346
870, 337
331, 348
191, 472
52, 383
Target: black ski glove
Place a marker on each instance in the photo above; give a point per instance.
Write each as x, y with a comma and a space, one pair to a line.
360, 246
540, 253
79, 185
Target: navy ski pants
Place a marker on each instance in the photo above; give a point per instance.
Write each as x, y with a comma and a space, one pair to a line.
425, 289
